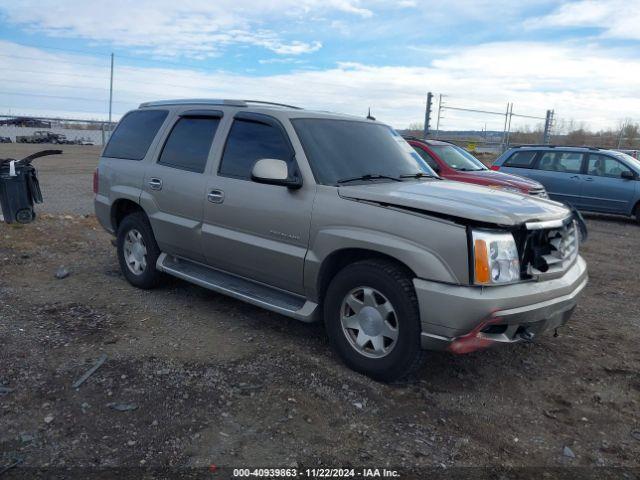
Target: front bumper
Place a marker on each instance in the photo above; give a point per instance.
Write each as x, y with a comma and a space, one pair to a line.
465, 318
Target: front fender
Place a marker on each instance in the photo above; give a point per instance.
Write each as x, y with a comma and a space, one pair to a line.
426, 262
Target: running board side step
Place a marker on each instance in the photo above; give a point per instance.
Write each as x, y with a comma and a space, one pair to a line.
255, 293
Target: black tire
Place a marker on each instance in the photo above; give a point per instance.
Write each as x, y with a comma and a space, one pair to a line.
395, 284
149, 277
636, 213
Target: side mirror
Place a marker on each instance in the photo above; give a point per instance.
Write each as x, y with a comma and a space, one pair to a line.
274, 172
627, 175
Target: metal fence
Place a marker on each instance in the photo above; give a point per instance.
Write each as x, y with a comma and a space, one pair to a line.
495, 140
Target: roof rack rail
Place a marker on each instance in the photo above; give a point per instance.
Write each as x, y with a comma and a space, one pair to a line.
554, 146
213, 101
260, 102
195, 101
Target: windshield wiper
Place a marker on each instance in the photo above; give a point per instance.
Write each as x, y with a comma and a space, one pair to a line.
368, 176
418, 175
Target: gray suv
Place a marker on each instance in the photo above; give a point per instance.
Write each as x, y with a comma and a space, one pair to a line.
317, 215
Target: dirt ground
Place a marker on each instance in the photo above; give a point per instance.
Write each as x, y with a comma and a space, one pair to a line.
204, 379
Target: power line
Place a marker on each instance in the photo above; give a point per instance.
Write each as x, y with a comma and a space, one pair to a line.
44, 47
57, 110
85, 99
76, 87
55, 60
48, 72
106, 55
58, 85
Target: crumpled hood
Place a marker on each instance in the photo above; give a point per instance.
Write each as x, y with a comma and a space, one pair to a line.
458, 199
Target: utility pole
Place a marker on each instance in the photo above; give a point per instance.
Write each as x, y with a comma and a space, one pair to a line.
111, 93
427, 115
622, 128
439, 112
548, 125
504, 131
509, 124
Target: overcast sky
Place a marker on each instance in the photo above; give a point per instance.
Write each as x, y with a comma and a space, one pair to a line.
581, 58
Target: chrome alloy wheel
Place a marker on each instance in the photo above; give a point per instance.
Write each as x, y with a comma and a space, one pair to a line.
369, 322
135, 252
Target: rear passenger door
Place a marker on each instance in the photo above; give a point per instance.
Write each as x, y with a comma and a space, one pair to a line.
561, 174
174, 187
604, 189
252, 229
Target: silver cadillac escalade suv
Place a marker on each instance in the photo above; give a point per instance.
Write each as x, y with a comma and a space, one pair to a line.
316, 215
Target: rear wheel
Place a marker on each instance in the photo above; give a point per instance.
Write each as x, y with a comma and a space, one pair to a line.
372, 319
138, 251
636, 212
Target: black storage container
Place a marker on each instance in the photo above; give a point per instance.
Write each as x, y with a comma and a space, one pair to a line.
19, 188
18, 193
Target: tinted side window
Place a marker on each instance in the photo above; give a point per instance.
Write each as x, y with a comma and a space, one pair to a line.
522, 159
134, 134
188, 144
603, 166
565, 162
427, 158
249, 141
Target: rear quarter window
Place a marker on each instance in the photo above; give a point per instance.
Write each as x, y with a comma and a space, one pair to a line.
134, 134
522, 159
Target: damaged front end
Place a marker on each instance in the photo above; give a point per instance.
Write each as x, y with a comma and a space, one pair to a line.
547, 250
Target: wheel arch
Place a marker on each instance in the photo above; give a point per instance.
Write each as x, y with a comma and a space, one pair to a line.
635, 210
120, 209
339, 259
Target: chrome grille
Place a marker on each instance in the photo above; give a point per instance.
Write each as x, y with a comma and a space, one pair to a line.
553, 250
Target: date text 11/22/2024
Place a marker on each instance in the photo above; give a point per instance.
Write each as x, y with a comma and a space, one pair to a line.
315, 473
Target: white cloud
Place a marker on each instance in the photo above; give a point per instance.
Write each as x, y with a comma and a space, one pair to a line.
283, 60
296, 48
198, 28
590, 85
616, 18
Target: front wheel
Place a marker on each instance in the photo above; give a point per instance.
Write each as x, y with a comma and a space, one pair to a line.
372, 319
138, 251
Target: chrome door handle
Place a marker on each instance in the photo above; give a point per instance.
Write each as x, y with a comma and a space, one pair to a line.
155, 184
574, 177
589, 179
215, 196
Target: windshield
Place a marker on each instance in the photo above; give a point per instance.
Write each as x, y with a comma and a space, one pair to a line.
346, 149
457, 158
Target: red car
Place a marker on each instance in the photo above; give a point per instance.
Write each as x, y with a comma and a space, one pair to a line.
455, 163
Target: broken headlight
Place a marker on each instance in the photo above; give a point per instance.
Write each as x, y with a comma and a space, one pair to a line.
495, 258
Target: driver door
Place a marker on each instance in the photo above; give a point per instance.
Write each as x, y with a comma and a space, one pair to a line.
251, 229
604, 189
